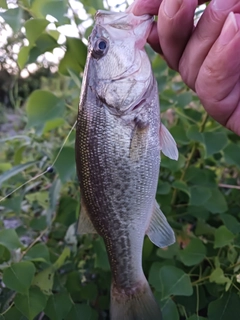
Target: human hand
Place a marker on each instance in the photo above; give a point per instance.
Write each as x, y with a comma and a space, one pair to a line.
207, 56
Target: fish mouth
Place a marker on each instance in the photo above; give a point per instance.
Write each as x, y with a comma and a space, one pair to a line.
126, 21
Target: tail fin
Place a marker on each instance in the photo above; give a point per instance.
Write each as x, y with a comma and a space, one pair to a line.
134, 304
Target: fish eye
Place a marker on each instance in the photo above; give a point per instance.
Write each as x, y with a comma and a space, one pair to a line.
102, 45
100, 48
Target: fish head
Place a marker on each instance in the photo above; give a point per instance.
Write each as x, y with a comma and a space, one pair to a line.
119, 64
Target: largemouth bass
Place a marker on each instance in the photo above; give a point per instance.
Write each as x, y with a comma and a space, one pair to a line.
118, 142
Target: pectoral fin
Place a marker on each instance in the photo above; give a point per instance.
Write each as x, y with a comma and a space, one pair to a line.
84, 223
159, 230
167, 143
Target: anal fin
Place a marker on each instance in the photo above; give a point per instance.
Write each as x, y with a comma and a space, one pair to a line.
168, 144
159, 230
84, 223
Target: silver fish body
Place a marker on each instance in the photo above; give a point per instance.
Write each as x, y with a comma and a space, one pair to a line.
118, 143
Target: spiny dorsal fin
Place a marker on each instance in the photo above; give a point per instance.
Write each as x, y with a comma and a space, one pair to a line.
84, 223
159, 230
168, 144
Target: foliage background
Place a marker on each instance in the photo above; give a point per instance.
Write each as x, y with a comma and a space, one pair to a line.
46, 272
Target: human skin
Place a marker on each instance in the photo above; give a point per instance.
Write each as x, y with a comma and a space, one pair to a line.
207, 56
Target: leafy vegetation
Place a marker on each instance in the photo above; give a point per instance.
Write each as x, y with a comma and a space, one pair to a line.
46, 271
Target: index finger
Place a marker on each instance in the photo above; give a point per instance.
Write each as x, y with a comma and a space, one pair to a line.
140, 7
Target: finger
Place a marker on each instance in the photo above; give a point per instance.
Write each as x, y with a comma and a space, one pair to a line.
140, 7
153, 39
218, 84
205, 34
150, 6
175, 25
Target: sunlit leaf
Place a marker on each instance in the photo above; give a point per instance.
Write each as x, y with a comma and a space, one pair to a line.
34, 28
13, 18
74, 58
10, 239
3, 4
43, 106
15, 170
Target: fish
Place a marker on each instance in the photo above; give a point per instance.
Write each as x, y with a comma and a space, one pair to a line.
119, 138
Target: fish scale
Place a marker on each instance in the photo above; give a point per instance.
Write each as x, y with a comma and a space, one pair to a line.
118, 145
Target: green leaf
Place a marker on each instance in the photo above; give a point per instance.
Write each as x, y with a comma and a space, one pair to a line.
89, 291
61, 259
174, 281
45, 42
217, 202
65, 164
80, 311
179, 134
58, 306
32, 303
15, 170
153, 278
53, 124
23, 56
34, 28
39, 252
232, 154
199, 195
231, 223
5, 254
223, 237
74, 58
194, 134
225, 308
13, 313
172, 165
184, 99
43, 106
196, 317
169, 310
9, 239
13, 18
101, 259
168, 252
40, 197
214, 142
181, 185
194, 253
163, 188
56, 8
54, 194
3, 4
19, 276
218, 277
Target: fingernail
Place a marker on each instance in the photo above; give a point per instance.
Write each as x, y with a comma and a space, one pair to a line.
229, 30
171, 7
223, 4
